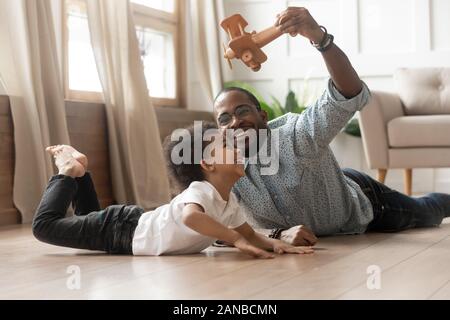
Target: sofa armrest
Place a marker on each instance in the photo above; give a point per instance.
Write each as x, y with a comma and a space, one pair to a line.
382, 108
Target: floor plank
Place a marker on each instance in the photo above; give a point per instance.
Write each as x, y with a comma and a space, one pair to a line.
443, 293
247, 281
414, 265
418, 277
345, 272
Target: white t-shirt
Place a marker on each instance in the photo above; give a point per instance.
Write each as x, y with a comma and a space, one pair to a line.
162, 230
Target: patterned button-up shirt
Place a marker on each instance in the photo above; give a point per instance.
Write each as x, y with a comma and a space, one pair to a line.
309, 187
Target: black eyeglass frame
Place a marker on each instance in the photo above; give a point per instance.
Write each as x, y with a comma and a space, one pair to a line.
236, 114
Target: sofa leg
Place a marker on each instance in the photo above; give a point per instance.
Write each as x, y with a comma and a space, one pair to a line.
381, 177
407, 174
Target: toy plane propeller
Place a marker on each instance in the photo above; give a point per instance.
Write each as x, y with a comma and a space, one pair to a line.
244, 45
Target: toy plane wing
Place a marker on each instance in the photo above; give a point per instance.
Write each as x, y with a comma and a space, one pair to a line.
234, 26
245, 43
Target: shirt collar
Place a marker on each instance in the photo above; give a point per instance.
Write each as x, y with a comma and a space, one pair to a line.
217, 194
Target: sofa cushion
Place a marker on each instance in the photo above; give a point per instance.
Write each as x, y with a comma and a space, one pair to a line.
419, 131
424, 90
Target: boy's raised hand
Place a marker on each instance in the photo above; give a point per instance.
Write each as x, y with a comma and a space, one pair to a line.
281, 247
242, 244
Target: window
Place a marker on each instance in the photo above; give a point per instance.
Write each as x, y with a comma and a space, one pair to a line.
157, 52
157, 27
165, 5
157, 24
81, 77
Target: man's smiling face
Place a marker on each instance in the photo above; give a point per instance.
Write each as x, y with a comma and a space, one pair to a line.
236, 110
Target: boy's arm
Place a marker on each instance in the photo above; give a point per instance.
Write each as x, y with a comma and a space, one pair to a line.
195, 218
262, 241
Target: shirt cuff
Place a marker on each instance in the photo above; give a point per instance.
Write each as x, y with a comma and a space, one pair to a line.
353, 104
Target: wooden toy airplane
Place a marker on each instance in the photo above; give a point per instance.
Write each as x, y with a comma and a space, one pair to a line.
244, 45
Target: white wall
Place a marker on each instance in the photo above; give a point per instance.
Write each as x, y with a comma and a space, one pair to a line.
377, 35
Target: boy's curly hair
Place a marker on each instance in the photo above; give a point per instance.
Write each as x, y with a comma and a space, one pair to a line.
186, 173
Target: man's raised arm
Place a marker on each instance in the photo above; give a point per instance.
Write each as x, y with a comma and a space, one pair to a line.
297, 20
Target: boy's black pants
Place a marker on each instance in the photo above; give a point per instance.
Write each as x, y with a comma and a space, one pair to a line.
91, 228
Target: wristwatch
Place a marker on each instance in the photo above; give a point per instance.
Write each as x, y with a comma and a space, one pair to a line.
276, 233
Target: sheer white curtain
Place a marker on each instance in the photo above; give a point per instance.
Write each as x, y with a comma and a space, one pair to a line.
138, 167
30, 73
205, 19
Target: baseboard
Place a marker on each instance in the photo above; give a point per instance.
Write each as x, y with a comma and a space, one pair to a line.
417, 188
9, 217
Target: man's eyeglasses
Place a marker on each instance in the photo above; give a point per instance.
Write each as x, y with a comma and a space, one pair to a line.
240, 112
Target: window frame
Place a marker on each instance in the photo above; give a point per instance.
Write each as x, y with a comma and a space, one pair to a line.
143, 17
69, 94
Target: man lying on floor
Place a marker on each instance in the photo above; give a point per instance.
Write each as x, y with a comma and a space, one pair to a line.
310, 195
205, 211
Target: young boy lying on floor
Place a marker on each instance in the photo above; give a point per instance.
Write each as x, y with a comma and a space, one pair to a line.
207, 210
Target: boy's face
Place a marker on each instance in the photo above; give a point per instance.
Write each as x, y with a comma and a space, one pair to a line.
227, 160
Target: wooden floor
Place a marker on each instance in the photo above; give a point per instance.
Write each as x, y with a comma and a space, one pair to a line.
414, 265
